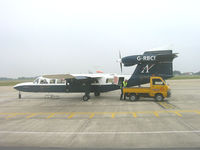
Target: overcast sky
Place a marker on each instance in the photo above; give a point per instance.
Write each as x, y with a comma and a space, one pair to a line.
76, 36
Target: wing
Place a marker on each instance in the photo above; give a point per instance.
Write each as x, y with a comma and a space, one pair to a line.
86, 76
59, 76
73, 76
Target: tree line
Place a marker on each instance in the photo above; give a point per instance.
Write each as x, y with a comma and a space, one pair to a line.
176, 73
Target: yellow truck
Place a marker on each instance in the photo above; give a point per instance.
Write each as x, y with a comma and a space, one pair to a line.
158, 89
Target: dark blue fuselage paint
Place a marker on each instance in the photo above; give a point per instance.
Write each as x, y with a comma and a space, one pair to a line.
64, 89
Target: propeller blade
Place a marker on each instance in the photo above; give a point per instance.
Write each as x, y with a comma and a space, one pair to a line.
121, 66
120, 57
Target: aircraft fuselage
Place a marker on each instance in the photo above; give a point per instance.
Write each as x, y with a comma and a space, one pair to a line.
101, 84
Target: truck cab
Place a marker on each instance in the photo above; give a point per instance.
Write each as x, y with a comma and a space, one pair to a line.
158, 89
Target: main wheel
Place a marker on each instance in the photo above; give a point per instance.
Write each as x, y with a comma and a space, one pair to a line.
159, 97
86, 97
133, 97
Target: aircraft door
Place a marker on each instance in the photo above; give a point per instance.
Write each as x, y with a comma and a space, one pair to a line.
120, 81
68, 85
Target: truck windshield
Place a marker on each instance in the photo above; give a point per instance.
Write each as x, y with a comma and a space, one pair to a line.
158, 82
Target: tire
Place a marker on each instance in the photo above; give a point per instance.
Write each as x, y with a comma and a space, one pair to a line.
159, 97
85, 98
96, 93
133, 97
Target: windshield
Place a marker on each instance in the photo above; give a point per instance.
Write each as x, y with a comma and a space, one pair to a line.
36, 81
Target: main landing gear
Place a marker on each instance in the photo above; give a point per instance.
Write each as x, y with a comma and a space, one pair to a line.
86, 97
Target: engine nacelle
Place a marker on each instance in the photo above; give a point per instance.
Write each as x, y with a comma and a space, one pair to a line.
149, 57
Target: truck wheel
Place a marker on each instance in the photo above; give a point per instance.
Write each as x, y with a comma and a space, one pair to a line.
158, 97
133, 97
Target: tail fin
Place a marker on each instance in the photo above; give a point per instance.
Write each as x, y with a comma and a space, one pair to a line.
163, 69
157, 63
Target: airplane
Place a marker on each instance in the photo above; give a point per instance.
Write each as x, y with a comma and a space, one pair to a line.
157, 63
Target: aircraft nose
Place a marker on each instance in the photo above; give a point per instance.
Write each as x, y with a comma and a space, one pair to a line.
17, 86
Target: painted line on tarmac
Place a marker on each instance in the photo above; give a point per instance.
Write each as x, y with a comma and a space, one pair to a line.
11, 116
198, 112
49, 115
99, 113
113, 115
32, 115
92, 115
134, 115
166, 105
172, 106
99, 133
163, 105
156, 114
70, 116
178, 114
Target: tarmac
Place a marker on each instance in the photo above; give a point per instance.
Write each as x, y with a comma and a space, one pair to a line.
42, 120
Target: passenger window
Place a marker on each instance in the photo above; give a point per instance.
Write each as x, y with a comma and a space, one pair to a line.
109, 80
52, 81
158, 82
43, 81
61, 81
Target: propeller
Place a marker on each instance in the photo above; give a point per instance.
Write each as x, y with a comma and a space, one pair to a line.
120, 60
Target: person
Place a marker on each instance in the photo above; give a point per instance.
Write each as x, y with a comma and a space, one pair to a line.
123, 85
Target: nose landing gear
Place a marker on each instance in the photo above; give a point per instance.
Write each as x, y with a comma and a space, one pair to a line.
19, 96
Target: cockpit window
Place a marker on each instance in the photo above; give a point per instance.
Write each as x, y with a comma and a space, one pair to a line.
43, 81
36, 81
